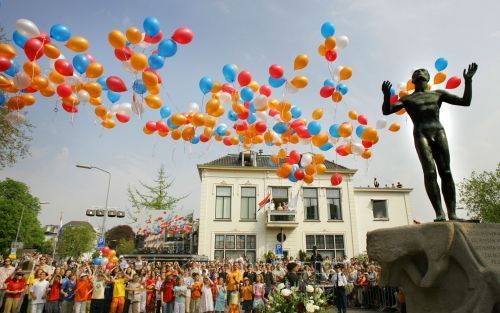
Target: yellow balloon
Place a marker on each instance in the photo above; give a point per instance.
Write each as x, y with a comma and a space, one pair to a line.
439, 77
94, 70
117, 39
317, 114
330, 43
77, 44
150, 78
134, 35
299, 81
394, 127
345, 73
51, 51
301, 62
153, 101
139, 62
353, 115
7, 51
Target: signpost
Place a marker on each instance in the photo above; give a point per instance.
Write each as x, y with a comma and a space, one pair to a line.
100, 243
279, 251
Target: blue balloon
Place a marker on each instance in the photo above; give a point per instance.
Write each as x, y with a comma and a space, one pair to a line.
80, 63
206, 84
280, 128
165, 111
292, 178
314, 127
329, 82
327, 29
139, 86
19, 39
276, 82
251, 118
167, 48
251, 107
60, 32
229, 72
97, 261
393, 91
342, 88
221, 129
232, 116
359, 130
155, 61
296, 111
151, 26
327, 146
246, 94
195, 139
113, 96
102, 81
13, 69
334, 130
441, 64
171, 125
2, 98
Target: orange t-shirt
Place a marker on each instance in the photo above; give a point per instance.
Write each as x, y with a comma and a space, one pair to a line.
246, 292
196, 291
82, 288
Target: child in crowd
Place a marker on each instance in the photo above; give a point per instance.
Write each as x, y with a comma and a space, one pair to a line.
234, 301
195, 293
220, 302
207, 300
259, 290
247, 295
180, 291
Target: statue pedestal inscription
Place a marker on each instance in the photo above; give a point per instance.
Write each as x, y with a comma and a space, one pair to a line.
446, 267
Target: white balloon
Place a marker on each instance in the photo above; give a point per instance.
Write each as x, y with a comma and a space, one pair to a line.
275, 135
261, 116
342, 42
27, 28
381, 123
402, 85
104, 261
225, 98
290, 88
194, 107
128, 67
126, 108
260, 102
138, 106
357, 148
144, 44
305, 141
277, 118
83, 96
15, 118
306, 159
115, 108
72, 80
336, 71
22, 80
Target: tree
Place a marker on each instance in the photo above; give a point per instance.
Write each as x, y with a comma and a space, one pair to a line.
75, 241
46, 247
481, 195
119, 233
156, 196
125, 246
13, 138
14, 197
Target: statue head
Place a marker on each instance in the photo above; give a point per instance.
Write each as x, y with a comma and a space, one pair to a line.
420, 78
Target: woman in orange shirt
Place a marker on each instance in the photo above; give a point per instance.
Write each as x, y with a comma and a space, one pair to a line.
247, 295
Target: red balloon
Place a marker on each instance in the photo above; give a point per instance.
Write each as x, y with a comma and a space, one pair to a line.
122, 117
123, 54
227, 141
33, 49
327, 91
204, 138
241, 126
4, 64
64, 67
244, 78
273, 112
160, 80
70, 108
151, 126
105, 251
331, 55
299, 174
260, 127
362, 119
341, 150
154, 39
30, 90
90, 57
183, 35
64, 90
336, 179
265, 90
453, 82
296, 124
44, 37
294, 157
229, 88
367, 144
161, 126
394, 98
276, 71
244, 115
303, 132
115, 84
109, 266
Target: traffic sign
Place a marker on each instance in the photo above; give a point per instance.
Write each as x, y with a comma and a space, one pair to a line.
279, 249
100, 243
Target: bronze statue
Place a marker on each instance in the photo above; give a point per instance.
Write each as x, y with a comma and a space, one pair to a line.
430, 138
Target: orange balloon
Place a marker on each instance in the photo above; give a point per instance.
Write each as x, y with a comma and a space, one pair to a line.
319, 158
322, 50
31, 68
150, 78
281, 152
117, 39
439, 77
154, 90
308, 179
176, 134
47, 91
394, 127
345, 130
5, 82
188, 133
286, 168
317, 114
300, 62
286, 116
93, 88
101, 111
320, 168
208, 132
153, 101
77, 44
210, 121
268, 137
95, 101
111, 254
139, 62
235, 140
218, 112
147, 131
330, 43
71, 100
353, 115
40, 82
28, 99
275, 159
366, 154
320, 139
336, 96
134, 35
51, 51
108, 123
410, 85
253, 85
178, 119
198, 119
15, 103
217, 87
294, 139
299, 81
94, 70
163, 134
403, 93
273, 104
56, 78
345, 73
7, 51
369, 134
310, 170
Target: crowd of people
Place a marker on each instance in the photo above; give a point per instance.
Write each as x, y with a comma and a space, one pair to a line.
34, 285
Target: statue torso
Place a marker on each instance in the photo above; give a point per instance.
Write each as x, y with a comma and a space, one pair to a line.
423, 109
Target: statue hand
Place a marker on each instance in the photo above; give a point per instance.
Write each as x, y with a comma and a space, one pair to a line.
468, 73
386, 88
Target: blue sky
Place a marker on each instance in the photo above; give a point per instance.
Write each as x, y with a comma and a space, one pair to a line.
388, 39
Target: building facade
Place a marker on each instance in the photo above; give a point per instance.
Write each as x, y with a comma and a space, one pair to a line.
335, 219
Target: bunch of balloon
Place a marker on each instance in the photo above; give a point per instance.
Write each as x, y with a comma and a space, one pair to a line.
277, 78
296, 167
107, 258
334, 88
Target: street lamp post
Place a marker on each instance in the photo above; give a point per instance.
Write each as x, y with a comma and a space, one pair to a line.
20, 222
89, 167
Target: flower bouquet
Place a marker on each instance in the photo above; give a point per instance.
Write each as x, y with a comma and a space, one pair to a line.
288, 300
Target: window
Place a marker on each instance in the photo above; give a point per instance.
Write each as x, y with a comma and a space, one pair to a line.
311, 203
280, 196
333, 202
248, 203
327, 245
223, 203
380, 209
234, 246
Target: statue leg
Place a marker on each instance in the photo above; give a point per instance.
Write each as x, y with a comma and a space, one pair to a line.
424, 152
442, 157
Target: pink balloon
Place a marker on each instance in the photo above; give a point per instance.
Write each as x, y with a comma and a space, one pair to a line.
453, 82
265, 90
64, 67
115, 84
244, 78
183, 35
336, 179
276, 71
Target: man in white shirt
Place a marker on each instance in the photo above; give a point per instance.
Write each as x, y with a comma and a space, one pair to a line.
38, 293
5, 272
340, 282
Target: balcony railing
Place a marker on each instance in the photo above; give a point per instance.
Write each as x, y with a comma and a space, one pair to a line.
276, 218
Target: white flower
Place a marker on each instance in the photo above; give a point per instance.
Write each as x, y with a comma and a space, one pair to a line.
286, 292
316, 307
319, 291
310, 307
309, 288
281, 286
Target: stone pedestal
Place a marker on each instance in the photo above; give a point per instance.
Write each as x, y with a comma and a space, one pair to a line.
445, 267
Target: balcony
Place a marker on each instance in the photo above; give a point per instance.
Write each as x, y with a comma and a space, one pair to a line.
281, 219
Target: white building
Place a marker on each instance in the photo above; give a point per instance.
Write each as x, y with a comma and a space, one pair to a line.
335, 219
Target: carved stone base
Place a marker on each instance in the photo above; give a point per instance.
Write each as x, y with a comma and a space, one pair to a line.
442, 267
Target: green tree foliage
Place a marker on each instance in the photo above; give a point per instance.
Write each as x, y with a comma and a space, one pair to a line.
13, 138
46, 247
155, 197
75, 241
119, 233
14, 196
125, 246
480, 194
